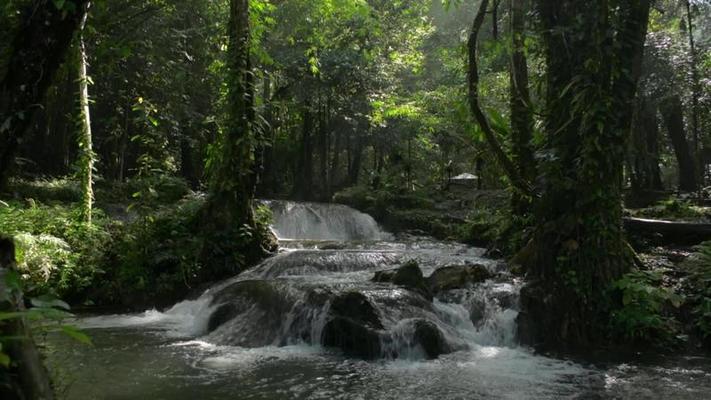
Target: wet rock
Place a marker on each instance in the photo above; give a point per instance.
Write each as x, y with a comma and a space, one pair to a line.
408, 276
263, 304
431, 339
221, 315
457, 277
354, 326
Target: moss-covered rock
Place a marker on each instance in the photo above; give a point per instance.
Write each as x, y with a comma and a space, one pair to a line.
354, 326
409, 276
431, 339
457, 277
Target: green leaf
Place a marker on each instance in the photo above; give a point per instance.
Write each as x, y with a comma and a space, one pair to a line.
4, 360
59, 4
76, 334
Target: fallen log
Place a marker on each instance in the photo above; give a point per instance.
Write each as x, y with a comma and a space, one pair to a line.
669, 232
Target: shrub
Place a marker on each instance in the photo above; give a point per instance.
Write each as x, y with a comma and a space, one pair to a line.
698, 284
57, 253
642, 316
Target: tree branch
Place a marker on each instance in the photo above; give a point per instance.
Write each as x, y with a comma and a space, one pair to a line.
473, 71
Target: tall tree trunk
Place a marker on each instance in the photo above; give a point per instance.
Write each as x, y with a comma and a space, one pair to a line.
673, 115
335, 161
495, 19
579, 247
475, 107
229, 209
695, 95
86, 149
520, 101
645, 149
303, 185
39, 48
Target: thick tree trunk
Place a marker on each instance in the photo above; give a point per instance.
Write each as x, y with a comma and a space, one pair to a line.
38, 50
673, 115
579, 247
229, 209
520, 102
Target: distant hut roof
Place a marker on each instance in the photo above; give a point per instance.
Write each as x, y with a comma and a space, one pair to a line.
465, 177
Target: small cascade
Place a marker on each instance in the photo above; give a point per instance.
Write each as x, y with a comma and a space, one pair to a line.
315, 221
326, 296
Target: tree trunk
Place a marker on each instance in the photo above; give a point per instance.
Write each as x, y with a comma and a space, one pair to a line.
229, 208
86, 150
39, 48
521, 113
303, 185
579, 248
695, 94
27, 378
475, 107
673, 116
645, 172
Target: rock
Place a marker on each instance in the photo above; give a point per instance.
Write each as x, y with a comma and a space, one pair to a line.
221, 315
431, 339
408, 276
355, 326
457, 277
237, 298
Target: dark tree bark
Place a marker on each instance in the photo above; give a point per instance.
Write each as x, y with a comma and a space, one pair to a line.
39, 48
520, 101
495, 19
646, 175
673, 115
229, 208
579, 247
303, 186
27, 379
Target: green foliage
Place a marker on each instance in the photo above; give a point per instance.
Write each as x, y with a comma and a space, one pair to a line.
157, 253
698, 266
673, 209
643, 315
57, 253
46, 313
46, 190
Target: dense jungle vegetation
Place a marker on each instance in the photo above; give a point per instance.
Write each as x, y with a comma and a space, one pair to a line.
570, 138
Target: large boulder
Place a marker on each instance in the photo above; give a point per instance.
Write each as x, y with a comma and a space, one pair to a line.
409, 276
249, 313
354, 326
431, 339
457, 277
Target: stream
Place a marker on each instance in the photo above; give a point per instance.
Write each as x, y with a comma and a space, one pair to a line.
285, 330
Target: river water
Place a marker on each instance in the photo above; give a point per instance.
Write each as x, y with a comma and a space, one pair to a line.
269, 344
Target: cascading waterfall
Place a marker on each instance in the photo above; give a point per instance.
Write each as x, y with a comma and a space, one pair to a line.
313, 221
270, 332
288, 299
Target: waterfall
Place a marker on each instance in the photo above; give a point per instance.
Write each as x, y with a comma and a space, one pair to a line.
316, 221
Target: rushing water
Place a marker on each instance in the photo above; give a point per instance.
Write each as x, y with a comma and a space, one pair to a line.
275, 351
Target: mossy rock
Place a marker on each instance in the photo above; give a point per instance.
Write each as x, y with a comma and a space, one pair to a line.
431, 339
409, 276
457, 277
354, 326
